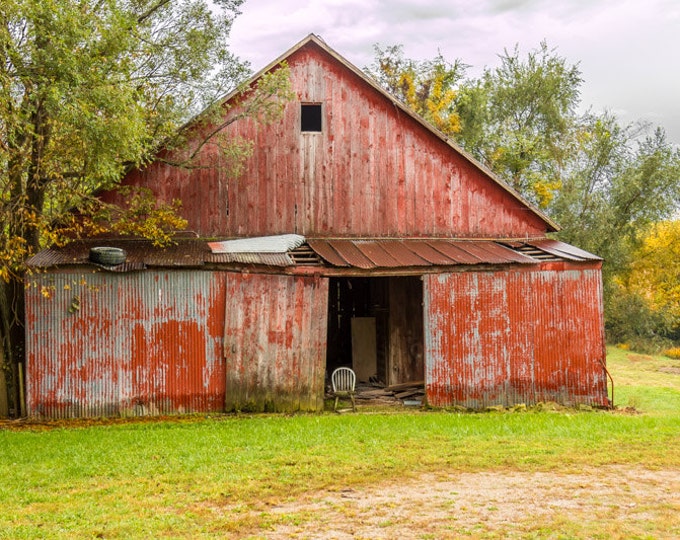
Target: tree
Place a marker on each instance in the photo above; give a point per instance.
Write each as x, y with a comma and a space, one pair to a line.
654, 276
428, 87
617, 182
516, 116
513, 119
89, 89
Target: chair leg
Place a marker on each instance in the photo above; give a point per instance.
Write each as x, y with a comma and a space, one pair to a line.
335, 407
354, 405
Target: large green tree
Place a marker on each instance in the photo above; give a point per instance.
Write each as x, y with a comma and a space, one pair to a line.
89, 89
517, 116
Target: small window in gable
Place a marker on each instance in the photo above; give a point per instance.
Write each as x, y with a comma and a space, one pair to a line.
310, 117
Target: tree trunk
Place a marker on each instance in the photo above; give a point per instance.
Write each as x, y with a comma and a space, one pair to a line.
12, 346
4, 395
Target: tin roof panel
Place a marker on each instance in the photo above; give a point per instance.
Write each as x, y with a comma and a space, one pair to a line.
453, 250
280, 243
350, 253
566, 251
140, 254
392, 253
326, 251
402, 251
494, 253
379, 255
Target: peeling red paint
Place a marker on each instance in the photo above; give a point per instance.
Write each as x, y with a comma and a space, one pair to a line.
373, 171
509, 337
275, 342
143, 343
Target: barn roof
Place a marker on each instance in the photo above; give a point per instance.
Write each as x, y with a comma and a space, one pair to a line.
357, 253
317, 41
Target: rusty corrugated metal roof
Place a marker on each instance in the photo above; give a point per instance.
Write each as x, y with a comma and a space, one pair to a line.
393, 253
364, 253
141, 254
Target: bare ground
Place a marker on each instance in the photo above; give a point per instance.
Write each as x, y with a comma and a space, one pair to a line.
608, 502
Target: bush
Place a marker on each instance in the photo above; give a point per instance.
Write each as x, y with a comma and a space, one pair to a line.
630, 320
673, 352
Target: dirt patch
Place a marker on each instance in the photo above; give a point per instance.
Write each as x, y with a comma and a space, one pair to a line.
618, 501
672, 370
639, 357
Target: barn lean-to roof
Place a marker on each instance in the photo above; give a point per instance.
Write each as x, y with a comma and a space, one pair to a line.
326, 255
321, 44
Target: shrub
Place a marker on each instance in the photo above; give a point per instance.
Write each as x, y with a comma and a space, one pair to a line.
673, 352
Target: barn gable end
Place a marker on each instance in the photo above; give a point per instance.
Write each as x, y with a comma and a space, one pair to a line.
369, 169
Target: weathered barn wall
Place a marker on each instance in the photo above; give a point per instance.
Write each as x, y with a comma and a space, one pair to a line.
509, 337
275, 342
105, 344
372, 171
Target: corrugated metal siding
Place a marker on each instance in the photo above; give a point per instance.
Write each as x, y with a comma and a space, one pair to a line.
502, 338
105, 344
373, 172
275, 342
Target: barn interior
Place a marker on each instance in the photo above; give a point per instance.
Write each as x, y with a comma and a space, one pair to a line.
375, 326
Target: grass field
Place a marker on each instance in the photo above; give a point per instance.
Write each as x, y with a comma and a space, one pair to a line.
308, 476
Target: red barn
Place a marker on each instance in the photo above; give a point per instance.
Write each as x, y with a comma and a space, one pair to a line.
356, 234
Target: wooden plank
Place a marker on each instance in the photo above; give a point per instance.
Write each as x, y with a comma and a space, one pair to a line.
364, 357
401, 386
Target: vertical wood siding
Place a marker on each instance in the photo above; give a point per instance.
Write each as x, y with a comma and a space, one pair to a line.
509, 337
372, 171
107, 344
275, 342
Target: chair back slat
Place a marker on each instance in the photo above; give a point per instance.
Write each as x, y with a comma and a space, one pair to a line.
343, 380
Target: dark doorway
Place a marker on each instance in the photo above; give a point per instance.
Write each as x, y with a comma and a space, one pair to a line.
375, 326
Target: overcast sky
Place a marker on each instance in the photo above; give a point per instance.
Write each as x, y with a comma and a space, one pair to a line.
628, 51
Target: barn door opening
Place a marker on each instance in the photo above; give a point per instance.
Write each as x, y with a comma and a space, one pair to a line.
375, 326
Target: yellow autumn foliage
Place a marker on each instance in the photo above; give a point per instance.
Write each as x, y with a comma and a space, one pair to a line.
655, 272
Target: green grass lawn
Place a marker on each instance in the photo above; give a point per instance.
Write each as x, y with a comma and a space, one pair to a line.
122, 479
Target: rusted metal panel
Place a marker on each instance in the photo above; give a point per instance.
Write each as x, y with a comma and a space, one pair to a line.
430, 252
326, 251
454, 251
387, 253
373, 171
509, 337
106, 344
142, 254
275, 342
350, 253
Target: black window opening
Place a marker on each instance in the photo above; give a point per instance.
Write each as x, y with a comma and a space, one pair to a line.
310, 117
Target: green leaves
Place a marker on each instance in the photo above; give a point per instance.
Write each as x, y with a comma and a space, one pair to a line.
89, 89
93, 87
